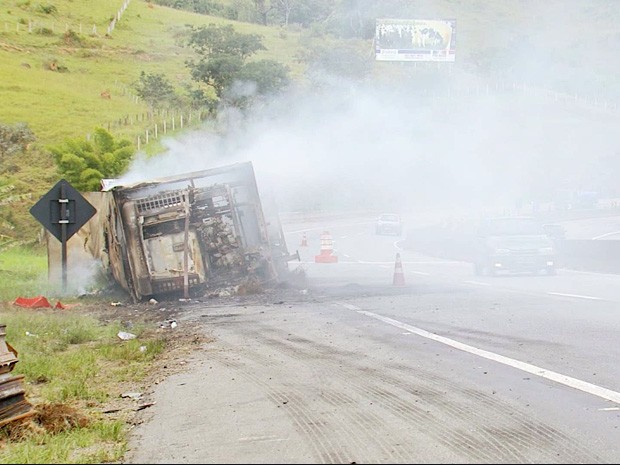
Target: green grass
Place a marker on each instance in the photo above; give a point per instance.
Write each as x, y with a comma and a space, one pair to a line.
99, 443
69, 358
23, 272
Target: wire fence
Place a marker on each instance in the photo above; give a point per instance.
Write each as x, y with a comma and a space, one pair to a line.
157, 123
37, 26
117, 17
52, 27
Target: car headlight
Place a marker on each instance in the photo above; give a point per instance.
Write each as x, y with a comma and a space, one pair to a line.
546, 250
501, 251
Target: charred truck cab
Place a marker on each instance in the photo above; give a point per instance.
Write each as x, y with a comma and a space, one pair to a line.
193, 231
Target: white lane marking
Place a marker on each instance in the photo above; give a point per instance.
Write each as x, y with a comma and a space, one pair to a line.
384, 266
365, 262
345, 255
418, 272
262, 439
327, 228
343, 237
360, 262
596, 273
477, 282
605, 235
609, 409
578, 384
575, 295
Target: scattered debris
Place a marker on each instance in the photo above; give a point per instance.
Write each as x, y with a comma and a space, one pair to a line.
13, 404
168, 324
153, 302
142, 348
126, 336
116, 304
223, 292
143, 406
111, 410
131, 395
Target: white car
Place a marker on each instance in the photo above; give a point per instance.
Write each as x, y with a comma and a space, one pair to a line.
389, 223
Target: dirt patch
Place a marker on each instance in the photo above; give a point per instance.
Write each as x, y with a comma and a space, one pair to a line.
52, 418
56, 418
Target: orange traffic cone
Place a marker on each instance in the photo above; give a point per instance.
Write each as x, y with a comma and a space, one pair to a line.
304, 241
399, 277
327, 249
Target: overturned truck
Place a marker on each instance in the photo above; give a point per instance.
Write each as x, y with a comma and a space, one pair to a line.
187, 233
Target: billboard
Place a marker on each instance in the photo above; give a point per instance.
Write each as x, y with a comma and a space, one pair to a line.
415, 39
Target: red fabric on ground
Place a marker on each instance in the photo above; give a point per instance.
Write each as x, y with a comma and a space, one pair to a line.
34, 302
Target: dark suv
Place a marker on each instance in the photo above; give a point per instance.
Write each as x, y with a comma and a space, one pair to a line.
513, 244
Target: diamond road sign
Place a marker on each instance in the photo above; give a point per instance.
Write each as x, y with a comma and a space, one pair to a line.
63, 205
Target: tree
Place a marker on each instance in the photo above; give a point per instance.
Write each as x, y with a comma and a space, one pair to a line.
218, 71
84, 164
154, 89
223, 40
268, 75
222, 64
262, 10
14, 139
284, 8
307, 12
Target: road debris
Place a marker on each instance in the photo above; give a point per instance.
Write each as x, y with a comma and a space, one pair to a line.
143, 406
125, 336
168, 324
13, 404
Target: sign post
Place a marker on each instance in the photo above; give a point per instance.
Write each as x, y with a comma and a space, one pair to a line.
63, 211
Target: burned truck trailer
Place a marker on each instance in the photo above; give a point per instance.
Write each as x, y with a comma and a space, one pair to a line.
189, 232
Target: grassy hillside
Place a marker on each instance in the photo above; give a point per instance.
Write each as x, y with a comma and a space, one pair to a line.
68, 103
